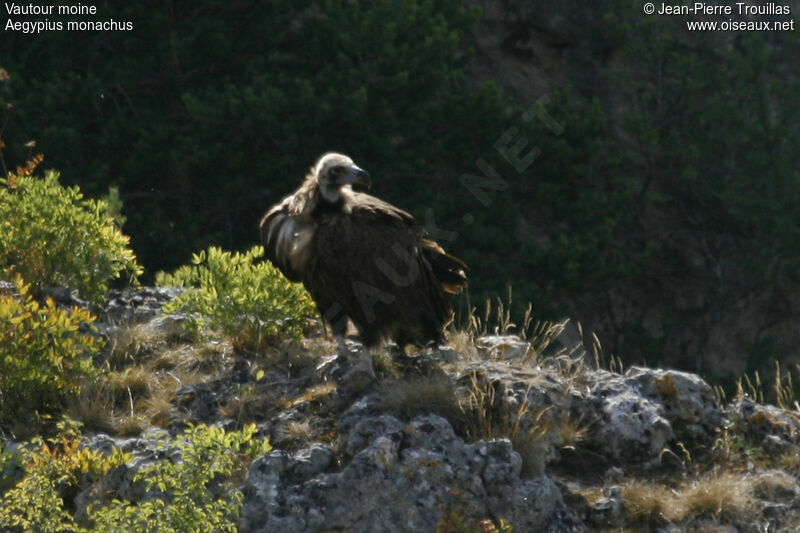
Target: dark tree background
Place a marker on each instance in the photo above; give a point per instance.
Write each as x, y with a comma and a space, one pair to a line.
663, 211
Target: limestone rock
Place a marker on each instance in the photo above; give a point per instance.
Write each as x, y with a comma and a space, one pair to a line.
505, 347
689, 402
408, 477
778, 429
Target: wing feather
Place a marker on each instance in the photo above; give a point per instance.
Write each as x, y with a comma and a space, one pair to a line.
287, 240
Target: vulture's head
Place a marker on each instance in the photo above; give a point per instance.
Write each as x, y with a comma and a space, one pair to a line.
335, 172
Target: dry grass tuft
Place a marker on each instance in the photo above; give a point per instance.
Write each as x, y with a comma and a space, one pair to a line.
133, 344
495, 319
463, 342
94, 407
789, 462
727, 494
314, 393
158, 407
147, 367
571, 431
297, 431
122, 402
131, 384
787, 394
385, 366
129, 426
647, 501
194, 358
781, 390
530, 432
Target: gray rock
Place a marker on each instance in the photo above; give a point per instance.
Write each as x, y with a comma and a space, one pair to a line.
690, 403
64, 297
505, 347
134, 306
170, 326
633, 428
366, 430
608, 510
403, 477
646, 409
765, 421
775, 445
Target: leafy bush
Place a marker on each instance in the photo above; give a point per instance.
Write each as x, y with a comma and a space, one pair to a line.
208, 455
43, 355
52, 235
253, 303
51, 468
197, 493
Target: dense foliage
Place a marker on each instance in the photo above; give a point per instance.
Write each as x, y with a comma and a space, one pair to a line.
252, 303
52, 235
54, 470
209, 456
45, 356
715, 154
50, 469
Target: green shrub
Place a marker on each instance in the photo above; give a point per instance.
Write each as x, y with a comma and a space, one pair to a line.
53, 236
208, 454
253, 303
43, 355
52, 468
197, 493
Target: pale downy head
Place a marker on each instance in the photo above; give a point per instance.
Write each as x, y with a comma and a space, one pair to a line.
335, 172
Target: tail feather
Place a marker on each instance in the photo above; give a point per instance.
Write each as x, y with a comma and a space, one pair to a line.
448, 269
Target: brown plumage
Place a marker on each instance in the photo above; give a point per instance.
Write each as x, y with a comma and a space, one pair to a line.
361, 258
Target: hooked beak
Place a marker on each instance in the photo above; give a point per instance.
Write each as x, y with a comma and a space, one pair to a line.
356, 176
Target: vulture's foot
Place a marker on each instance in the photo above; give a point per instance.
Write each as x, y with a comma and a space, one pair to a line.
350, 367
359, 373
342, 358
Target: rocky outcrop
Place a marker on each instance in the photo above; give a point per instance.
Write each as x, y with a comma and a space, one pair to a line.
449, 439
386, 472
389, 474
403, 477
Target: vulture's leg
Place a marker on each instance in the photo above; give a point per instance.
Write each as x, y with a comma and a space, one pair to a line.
357, 367
343, 351
359, 362
364, 363
342, 355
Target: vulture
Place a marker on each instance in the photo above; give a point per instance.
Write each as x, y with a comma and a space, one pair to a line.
363, 260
